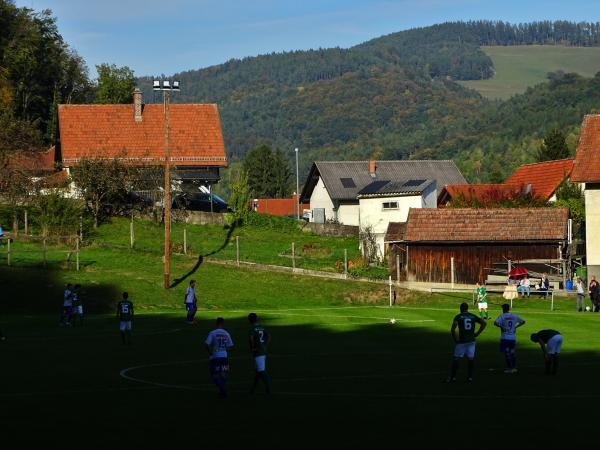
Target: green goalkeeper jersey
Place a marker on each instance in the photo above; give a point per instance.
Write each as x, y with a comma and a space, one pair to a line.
259, 335
481, 294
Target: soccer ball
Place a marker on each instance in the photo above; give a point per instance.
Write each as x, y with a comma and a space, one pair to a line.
588, 309
392, 321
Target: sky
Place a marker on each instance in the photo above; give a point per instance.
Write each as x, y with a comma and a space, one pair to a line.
155, 37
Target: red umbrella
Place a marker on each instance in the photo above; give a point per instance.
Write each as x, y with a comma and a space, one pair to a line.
518, 271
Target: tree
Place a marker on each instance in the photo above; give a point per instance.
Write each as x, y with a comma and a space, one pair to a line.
268, 172
103, 185
554, 146
240, 195
115, 84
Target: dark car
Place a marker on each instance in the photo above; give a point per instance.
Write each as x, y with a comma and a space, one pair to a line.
199, 201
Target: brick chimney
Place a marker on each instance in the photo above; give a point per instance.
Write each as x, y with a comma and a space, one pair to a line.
372, 168
137, 104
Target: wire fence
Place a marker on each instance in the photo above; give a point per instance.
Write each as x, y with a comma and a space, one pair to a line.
304, 253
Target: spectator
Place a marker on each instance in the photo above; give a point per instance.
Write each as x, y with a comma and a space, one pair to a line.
525, 286
545, 283
580, 292
593, 292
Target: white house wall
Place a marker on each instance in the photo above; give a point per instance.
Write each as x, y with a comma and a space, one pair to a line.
374, 216
592, 228
348, 214
320, 199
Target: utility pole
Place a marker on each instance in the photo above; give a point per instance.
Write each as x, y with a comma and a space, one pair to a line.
167, 197
166, 88
297, 187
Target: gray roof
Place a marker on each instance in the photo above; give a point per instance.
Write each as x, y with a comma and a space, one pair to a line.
332, 172
387, 187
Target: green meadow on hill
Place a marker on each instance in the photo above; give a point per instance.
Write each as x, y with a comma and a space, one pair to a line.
522, 66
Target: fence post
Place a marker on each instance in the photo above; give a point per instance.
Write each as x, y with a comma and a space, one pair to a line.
293, 256
390, 283
26, 224
131, 233
45, 259
237, 249
398, 269
8, 251
81, 228
452, 271
345, 263
185, 241
77, 254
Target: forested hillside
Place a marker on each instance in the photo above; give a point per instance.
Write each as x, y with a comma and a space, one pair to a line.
396, 97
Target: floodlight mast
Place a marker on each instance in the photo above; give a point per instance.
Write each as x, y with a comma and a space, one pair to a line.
166, 89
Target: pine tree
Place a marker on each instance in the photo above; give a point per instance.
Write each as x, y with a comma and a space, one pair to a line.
554, 146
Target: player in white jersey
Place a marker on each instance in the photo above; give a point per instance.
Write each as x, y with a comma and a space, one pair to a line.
508, 323
67, 311
218, 343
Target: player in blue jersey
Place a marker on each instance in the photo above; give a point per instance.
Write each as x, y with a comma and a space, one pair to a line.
508, 323
465, 340
218, 343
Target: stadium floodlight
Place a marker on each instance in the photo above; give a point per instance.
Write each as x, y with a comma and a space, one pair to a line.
166, 87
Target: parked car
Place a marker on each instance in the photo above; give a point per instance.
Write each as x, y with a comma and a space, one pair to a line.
200, 201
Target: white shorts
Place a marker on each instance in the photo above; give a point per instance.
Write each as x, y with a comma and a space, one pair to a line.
260, 363
554, 344
482, 305
125, 325
79, 310
466, 349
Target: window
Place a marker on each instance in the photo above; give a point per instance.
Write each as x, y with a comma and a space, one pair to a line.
348, 183
390, 205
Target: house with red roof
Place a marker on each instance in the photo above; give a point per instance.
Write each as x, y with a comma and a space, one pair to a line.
586, 169
540, 180
544, 177
135, 134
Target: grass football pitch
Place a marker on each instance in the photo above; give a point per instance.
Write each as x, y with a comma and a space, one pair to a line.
343, 376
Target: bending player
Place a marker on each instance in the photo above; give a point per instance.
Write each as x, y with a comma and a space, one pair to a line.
218, 343
259, 339
550, 342
508, 323
465, 341
125, 315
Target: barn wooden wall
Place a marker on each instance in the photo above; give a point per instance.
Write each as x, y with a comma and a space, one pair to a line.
432, 262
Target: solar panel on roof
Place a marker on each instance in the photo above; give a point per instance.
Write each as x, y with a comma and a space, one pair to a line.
348, 182
413, 183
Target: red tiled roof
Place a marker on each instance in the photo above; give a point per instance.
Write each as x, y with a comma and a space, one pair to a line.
39, 161
482, 193
544, 177
110, 131
587, 160
395, 232
486, 225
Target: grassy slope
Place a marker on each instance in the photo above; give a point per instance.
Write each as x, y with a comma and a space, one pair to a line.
520, 67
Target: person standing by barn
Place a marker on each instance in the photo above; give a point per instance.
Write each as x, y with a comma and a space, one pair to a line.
580, 295
593, 290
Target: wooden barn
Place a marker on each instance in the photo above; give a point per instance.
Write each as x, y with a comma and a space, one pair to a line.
474, 240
